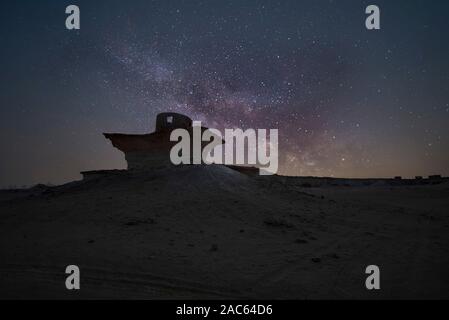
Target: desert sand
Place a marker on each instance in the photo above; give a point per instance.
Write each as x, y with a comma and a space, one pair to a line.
209, 232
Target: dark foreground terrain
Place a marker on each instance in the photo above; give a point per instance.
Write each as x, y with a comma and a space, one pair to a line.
211, 232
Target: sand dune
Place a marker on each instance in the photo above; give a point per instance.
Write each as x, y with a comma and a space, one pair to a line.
212, 232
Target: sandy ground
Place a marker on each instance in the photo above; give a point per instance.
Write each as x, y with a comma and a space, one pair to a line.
211, 232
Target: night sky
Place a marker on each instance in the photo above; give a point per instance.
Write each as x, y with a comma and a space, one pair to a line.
348, 102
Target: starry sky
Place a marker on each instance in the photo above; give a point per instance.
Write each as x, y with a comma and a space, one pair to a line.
348, 102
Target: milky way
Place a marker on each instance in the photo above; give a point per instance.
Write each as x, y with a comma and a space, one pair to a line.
242, 88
